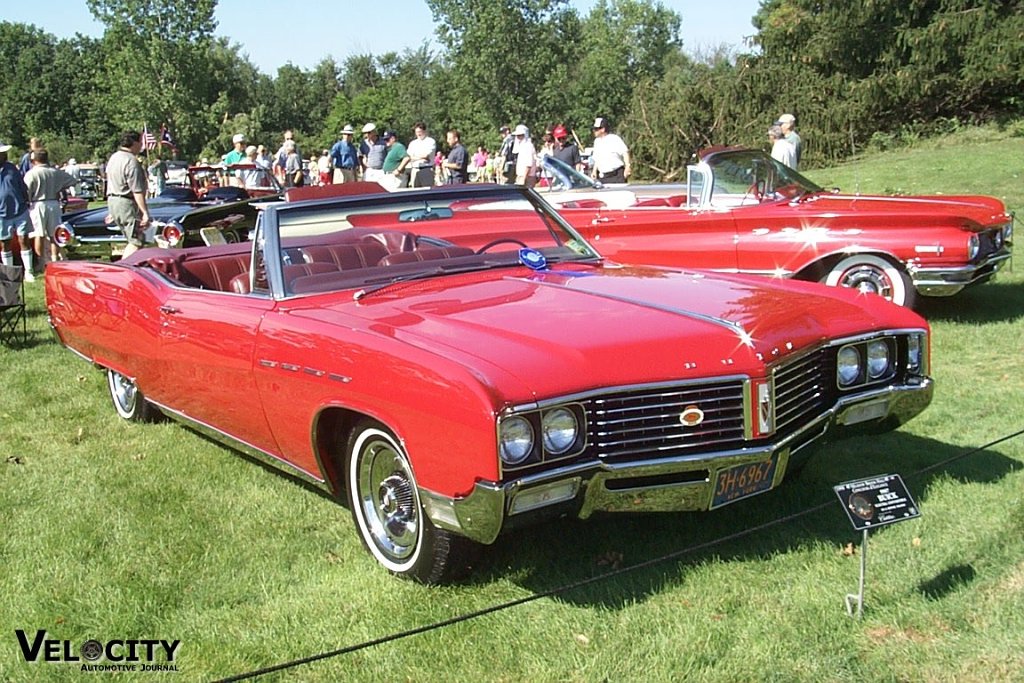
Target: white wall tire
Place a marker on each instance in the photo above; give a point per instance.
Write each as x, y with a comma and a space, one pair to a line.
872, 274
128, 400
385, 504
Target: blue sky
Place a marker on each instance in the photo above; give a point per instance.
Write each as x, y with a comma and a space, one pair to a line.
347, 27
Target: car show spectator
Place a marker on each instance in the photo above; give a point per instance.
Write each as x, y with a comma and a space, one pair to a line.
782, 149
506, 158
237, 155
345, 157
126, 191
73, 170
323, 167
263, 158
394, 173
45, 185
25, 165
480, 166
457, 161
158, 169
372, 151
566, 149
525, 155
14, 218
788, 124
281, 158
419, 157
610, 156
293, 172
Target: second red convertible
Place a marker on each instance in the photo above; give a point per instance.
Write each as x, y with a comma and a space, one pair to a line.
743, 212
457, 362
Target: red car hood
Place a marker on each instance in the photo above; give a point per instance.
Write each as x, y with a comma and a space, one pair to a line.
970, 211
578, 327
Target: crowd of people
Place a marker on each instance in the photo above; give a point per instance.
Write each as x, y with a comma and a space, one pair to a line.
30, 191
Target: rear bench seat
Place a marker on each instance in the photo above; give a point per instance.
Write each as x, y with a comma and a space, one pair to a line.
228, 273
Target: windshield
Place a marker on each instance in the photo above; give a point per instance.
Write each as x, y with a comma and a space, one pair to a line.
561, 176
374, 240
750, 176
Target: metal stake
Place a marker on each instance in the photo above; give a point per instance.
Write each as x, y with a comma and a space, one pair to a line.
859, 597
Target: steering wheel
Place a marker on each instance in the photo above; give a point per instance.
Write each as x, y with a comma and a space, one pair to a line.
501, 240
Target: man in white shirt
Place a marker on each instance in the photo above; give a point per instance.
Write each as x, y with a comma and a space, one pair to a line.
526, 156
782, 149
610, 156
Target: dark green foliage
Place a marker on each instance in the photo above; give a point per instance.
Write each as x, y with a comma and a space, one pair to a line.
854, 74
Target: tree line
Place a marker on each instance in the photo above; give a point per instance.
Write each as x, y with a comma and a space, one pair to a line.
851, 73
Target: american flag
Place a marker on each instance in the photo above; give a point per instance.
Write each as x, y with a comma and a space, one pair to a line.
166, 139
148, 141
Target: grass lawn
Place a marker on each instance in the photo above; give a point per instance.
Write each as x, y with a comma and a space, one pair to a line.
119, 531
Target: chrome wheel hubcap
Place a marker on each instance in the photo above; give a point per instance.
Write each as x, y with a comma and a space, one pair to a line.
388, 500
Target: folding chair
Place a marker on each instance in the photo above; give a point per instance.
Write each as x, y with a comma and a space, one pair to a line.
12, 305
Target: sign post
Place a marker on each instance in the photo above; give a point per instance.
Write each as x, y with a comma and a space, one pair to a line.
871, 503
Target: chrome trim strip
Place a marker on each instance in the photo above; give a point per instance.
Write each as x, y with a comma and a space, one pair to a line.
235, 443
736, 328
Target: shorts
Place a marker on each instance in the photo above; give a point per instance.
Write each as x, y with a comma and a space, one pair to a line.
18, 224
46, 217
126, 215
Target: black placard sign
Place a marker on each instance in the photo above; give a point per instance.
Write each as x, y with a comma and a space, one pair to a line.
877, 501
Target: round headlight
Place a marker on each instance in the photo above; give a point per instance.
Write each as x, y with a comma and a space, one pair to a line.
878, 359
973, 246
559, 428
997, 239
1008, 233
848, 366
515, 440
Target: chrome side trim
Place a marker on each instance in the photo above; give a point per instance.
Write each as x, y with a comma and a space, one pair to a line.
736, 328
248, 449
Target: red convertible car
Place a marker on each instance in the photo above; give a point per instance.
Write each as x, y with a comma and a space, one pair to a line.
743, 212
459, 361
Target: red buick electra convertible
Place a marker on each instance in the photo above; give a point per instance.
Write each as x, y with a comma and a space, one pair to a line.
459, 361
743, 212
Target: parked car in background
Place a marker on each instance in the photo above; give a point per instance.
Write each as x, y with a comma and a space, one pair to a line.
741, 211
224, 183
91, 184
458, 361
92, 233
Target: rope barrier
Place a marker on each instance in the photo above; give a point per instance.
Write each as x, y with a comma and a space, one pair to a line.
565, 588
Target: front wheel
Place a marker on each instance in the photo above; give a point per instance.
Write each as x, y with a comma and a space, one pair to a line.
128, 400
873, 275
386, 508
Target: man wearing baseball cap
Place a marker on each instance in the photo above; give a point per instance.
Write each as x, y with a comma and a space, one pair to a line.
610, 155
565, 149
237, 155
372, 151
788, 124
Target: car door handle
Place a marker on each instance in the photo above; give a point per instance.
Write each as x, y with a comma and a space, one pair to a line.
600, 219
169, 310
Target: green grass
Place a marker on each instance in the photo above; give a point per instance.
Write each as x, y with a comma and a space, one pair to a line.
112, 530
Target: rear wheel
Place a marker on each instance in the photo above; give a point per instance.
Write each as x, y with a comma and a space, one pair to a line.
386, 508
873, 275
128, 400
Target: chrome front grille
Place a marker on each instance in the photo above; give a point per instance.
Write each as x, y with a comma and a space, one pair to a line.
804, 388
646, 423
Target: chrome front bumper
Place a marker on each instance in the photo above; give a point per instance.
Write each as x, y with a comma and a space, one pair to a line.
682, 483
948, 281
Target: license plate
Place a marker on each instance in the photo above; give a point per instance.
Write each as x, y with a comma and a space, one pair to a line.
743, 481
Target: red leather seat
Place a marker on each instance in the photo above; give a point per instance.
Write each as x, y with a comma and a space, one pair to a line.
425, 254
346, 256
217, 272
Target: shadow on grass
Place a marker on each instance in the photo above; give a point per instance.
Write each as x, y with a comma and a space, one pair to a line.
947, 581
545, 557
991, 302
